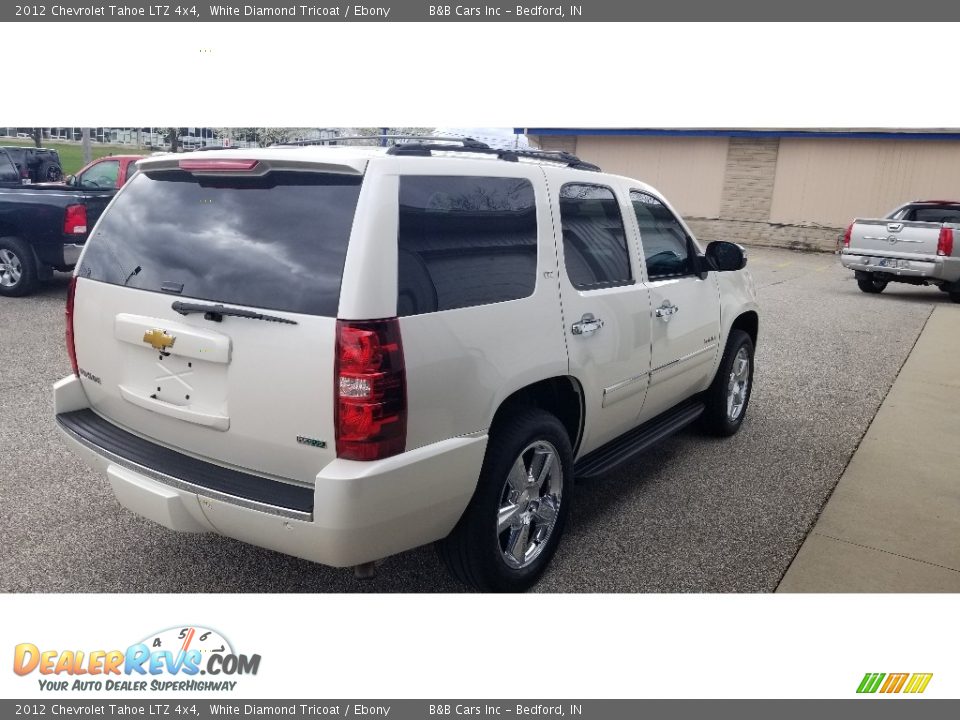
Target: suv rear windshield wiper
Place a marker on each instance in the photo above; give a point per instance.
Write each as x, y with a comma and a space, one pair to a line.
216, 313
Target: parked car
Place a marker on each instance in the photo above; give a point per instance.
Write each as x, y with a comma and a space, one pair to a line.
36, 164
912, 244
343, 353
42, 228
105, 173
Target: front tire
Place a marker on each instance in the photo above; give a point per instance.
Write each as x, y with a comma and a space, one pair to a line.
869, 284
513, 525
727, 397
18, 268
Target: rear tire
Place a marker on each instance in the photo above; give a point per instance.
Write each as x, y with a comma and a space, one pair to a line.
50, 172
729, 394
513, 525
870, 284
18, 268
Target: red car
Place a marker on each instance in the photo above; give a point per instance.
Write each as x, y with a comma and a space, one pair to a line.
107, 173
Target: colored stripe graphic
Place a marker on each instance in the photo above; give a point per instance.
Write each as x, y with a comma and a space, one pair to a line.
870, 682
894, 682
918, 683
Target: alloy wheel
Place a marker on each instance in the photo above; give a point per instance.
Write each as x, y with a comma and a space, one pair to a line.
529, 504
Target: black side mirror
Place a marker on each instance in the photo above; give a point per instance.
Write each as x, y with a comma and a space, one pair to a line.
726, 256
70, 180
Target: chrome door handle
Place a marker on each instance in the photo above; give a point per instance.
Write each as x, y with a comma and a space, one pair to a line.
666, 311
587, 325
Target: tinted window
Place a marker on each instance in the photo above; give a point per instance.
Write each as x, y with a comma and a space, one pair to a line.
465, 241
275, 242
594, 241
936, 214
8, 173
101, 176
665, 244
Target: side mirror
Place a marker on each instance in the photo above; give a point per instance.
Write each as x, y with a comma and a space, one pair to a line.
726, 256
70, 180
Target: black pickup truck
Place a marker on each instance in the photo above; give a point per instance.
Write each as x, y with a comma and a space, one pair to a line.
42, 228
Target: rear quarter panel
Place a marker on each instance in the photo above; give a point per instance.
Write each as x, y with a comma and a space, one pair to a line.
461, 364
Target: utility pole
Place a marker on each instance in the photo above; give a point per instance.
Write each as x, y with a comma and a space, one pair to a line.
85, 145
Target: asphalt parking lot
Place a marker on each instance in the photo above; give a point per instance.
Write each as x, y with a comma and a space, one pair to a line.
693, 515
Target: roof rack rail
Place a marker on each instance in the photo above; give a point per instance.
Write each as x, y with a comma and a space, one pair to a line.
423, 139
510, 155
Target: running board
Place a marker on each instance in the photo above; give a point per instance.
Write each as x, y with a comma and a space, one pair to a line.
632, 443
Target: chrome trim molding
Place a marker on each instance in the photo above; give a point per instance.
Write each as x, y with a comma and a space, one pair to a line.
623, 383
690, 356
183, 484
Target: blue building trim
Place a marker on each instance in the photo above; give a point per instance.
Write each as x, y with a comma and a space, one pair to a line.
838, 134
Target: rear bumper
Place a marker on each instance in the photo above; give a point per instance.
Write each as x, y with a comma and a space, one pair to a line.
933, 268
358, 511
71, 254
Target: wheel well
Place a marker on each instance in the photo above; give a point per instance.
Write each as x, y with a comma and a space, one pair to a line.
560, 396
749, 322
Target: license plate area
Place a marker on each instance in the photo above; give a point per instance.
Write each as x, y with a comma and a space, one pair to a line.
175, 369
893, 263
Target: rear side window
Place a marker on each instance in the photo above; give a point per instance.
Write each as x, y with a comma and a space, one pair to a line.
274, 242
594, 241
464, 241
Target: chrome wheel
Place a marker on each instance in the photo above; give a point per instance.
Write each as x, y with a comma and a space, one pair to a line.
10, 268
738, 385
529, 504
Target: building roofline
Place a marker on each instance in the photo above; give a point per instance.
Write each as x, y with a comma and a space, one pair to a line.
865, 134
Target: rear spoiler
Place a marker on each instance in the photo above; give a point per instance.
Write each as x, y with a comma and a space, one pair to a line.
244, 165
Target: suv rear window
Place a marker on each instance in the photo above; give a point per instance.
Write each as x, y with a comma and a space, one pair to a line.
275, 242
465, 241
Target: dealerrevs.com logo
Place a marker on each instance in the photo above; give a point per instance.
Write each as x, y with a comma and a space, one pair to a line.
190, 658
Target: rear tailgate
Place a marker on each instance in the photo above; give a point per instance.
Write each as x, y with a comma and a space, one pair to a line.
254, 394
894, 238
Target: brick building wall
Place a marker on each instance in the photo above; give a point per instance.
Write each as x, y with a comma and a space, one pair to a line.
745, 198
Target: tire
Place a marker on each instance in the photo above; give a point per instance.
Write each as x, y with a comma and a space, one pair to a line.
478, 552
18, 268
728, 396
50, 172
955, 297
871, 285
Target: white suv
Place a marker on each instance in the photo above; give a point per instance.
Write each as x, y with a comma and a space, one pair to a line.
342, 353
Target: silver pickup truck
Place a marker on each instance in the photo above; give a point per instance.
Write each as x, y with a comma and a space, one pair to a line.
913, 244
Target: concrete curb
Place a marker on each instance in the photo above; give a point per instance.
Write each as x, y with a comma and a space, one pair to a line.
893, 522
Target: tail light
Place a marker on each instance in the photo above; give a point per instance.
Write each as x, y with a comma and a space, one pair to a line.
847, 234
945, 242
370, 391
71, 345
75, 220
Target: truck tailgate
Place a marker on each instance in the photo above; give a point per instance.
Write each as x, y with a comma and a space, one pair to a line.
894, 238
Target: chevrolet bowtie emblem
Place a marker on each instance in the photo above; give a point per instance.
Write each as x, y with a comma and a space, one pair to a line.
159, 339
